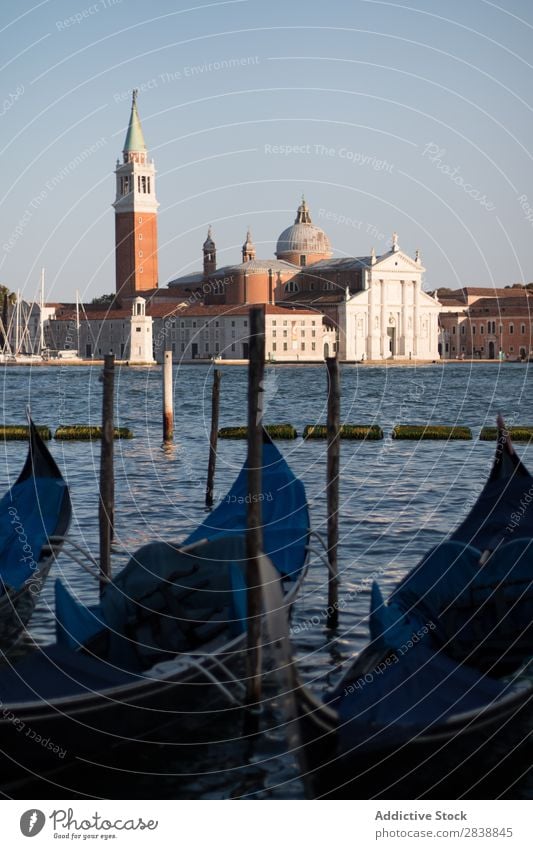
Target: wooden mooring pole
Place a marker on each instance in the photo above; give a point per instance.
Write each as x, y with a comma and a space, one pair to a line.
254, 535
106, 504
332, 487
168, 401
213, 438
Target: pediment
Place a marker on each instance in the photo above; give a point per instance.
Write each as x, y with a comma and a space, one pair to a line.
397, 261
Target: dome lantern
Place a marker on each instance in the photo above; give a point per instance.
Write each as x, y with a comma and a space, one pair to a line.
303, 243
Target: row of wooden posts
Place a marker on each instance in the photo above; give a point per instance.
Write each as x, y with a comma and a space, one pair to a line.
254, 536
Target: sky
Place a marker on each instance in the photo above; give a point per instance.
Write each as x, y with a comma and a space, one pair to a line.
412, 117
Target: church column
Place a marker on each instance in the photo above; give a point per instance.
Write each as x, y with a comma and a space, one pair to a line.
416, 317
405, 321
383, 329
370, 353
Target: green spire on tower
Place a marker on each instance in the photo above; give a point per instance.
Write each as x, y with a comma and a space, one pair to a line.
134, 136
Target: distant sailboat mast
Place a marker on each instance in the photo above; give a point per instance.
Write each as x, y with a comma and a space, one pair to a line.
41, 315
77, 322
17, 324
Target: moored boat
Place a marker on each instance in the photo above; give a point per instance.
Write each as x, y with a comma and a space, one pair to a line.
165, 647
440, 701
34, 516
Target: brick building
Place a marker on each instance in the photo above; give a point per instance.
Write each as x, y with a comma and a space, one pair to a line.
484, 323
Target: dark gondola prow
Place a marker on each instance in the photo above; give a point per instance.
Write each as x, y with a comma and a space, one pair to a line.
506, 462
40, 464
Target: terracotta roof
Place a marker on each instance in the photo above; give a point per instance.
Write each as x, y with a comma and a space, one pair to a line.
194, 278
240, 309
254, 266
505, 305
93, 315
345, 263
163, 310
333, 297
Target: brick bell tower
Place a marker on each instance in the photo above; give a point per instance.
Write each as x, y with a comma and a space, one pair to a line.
135, 214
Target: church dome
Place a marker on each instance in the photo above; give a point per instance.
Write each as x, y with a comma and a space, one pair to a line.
303, 239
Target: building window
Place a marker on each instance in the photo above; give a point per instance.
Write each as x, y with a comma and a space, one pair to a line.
233, 324
473, 330
291, 287
246, 324
481, 329
522, 329
140, 219
453, 329
273, 322
511, 349
511, 328
233, 347
313, 333
138, 329
274, 346
141, 253
173, 347
182, 347
274, 333
140, 237
302, 346
302, 332
284, 346
313, 346
302, 259
206, 347
463, 329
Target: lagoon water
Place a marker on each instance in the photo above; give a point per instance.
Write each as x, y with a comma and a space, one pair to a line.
397, 500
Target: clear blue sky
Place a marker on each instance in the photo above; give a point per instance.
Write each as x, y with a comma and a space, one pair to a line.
414, 117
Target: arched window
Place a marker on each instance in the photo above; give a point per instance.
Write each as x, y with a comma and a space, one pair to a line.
291, 287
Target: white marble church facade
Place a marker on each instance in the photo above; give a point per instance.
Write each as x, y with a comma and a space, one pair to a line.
391, 317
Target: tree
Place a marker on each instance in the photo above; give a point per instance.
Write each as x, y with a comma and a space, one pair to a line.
103, 300
6, 298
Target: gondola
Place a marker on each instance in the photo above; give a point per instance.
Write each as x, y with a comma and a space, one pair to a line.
34, 516
439, 702
164, 648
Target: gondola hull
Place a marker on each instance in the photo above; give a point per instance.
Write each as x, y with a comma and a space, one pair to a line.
175, 705
41, 477
475, 756
439, 703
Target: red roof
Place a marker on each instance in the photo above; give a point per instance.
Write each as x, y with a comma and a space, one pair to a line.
162, 310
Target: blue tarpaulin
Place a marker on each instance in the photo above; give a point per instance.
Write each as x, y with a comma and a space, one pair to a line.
28, 515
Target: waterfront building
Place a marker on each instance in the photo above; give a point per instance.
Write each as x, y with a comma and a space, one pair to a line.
485, 323
94, 331
193, 332
376, 303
